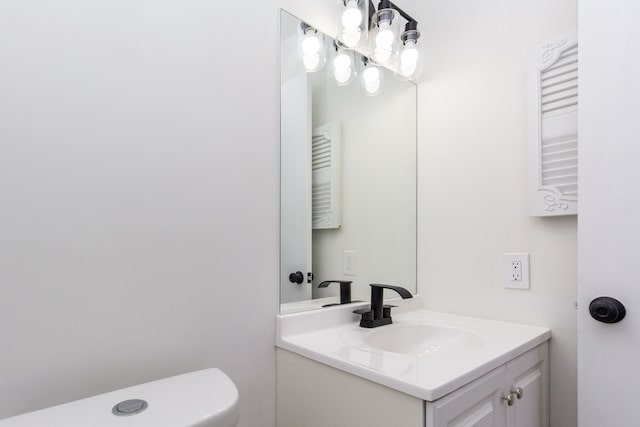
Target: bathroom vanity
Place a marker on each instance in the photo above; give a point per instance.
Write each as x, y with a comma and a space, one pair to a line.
426, 369
342, 221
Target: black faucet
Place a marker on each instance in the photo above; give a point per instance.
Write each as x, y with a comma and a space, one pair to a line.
345, 291
379, 314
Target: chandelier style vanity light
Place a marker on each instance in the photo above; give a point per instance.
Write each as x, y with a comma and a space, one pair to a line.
363, 30
388, 43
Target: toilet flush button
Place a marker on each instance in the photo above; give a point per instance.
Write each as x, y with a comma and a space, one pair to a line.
129, 407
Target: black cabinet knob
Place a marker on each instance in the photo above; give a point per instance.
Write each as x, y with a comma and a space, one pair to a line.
296, 277
607, 310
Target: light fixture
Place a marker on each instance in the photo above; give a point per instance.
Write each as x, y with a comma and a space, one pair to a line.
371, 80
312, 48
342, 65
384, 34
353, 22
358, 21
409, 63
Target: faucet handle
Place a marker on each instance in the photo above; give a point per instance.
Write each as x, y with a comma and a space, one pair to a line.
366, 313
386, 310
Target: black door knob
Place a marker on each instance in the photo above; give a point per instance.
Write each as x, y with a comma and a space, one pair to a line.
607, 310
296, 277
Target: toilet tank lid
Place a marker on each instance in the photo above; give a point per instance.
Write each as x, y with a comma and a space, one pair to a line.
195, 399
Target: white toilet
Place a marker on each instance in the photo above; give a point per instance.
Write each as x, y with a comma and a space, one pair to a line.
206, 398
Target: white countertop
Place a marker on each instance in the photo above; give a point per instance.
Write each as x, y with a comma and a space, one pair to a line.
312, 304
333, 336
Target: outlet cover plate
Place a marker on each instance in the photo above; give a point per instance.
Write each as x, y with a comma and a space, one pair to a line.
511, 282
350, 261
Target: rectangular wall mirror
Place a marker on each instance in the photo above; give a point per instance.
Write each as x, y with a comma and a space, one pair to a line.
348, 177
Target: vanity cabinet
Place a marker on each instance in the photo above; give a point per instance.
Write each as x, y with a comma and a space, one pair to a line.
485, 401
313, 394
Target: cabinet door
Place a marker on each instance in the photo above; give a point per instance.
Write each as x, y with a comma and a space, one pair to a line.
529, 372
478, 404
311, 394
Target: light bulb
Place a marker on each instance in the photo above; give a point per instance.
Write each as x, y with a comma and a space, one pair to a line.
385, 37
351, 38
383, 55
409, 59
342, 76
352, 16
342, 70
409, 53
372, 88
311, 61
407, 70
371, 79
371, 75
310, 44
342, 62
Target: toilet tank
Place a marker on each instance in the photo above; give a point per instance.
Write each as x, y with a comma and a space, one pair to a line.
206, 398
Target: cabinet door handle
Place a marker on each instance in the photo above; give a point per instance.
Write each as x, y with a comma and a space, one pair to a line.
510, 399
518, 392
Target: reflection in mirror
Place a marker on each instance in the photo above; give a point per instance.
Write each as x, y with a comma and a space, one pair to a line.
348, 175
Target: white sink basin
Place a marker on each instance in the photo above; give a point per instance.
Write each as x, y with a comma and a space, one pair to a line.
422, 353
422, 339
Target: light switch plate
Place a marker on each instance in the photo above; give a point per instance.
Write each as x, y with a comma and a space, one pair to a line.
349, 263
516, 270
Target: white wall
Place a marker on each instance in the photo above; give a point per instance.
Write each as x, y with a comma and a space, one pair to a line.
472, 176
139, 181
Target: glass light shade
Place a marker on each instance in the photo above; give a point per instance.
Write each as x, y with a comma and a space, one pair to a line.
311, 48
343, 66
409, 54
351, 16
342, 61
371, 79
351, 38
373, 88
311, 62
371, 74
342, 76
383, 56
408, 67
384, 37
352, 22
311, 44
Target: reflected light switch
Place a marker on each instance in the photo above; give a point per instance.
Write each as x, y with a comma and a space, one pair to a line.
349, 263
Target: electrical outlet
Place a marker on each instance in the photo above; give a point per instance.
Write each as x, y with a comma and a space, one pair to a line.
516, 269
